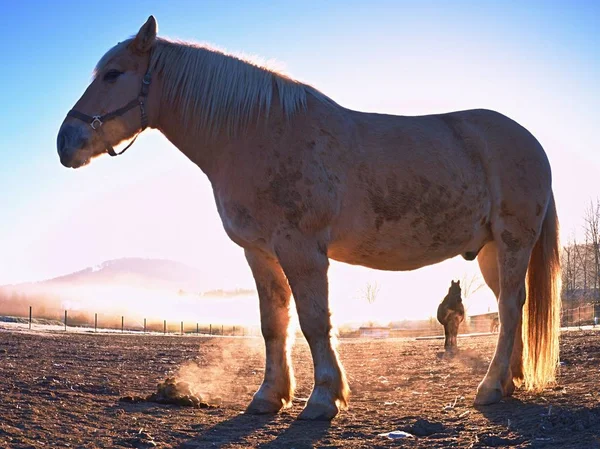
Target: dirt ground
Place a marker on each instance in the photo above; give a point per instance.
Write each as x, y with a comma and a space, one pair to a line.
63, 390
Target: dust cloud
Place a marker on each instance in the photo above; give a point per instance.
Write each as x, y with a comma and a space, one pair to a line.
220, 373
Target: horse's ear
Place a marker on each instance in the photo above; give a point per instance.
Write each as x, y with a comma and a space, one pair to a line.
458, 282
144, 40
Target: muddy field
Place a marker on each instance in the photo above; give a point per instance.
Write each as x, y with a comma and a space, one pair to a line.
63, 390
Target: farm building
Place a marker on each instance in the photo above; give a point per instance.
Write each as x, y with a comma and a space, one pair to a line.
484, 322
374, 332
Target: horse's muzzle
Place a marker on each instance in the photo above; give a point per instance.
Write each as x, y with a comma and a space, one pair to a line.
70, 140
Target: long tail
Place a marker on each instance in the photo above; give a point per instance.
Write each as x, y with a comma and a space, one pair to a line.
541, 314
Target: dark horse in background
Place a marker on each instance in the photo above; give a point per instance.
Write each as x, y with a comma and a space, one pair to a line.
450, 314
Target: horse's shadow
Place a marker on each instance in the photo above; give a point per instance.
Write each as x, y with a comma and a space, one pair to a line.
234, 430
543, 423
300, 435
240, 428
503, 414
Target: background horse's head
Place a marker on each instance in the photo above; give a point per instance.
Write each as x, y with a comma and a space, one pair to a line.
454, 289
113, 107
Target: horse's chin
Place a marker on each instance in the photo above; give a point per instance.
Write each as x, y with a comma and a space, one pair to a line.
81, 164
75, 163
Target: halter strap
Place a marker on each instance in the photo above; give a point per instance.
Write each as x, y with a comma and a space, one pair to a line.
96, 121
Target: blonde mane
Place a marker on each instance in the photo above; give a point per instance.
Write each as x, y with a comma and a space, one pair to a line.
215, 91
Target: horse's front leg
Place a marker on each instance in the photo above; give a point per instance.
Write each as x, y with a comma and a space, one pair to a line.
451, 331
447, 336
454, 325
305, 263
274, 294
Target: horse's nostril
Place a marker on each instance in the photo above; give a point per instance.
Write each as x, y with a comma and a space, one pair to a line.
80, 140
60, 142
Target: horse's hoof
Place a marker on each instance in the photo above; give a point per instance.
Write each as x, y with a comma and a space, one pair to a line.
263, 407
509, 388
319, 412
487, 396
517, 380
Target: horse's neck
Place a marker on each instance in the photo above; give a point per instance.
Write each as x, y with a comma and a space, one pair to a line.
201, 150
452, 298
188, 142
207, 152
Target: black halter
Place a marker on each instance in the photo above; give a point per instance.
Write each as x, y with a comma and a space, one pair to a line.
96, 121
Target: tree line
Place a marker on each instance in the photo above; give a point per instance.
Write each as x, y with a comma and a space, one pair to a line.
581, 261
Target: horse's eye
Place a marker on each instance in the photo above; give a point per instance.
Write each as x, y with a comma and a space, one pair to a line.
111, 76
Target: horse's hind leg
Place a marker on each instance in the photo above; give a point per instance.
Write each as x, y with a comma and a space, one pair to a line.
488, 264
305, 263
513, 258
274, 296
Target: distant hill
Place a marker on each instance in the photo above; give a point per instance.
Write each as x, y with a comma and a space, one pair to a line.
134, 287
147, 274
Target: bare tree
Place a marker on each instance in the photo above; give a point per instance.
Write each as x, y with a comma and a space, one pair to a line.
571, 260
592, 234
471, 284
567, 270
370, 292
581, 262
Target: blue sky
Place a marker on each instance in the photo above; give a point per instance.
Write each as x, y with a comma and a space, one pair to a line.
538, 62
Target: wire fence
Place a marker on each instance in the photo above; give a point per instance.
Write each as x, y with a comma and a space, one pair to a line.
584, 315
579, 316
102, 323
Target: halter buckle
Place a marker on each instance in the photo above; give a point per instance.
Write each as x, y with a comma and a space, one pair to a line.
96, 122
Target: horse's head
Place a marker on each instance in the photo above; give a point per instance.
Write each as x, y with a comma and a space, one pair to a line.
454, 289
113, 108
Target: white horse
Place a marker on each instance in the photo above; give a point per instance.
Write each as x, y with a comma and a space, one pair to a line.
299, 180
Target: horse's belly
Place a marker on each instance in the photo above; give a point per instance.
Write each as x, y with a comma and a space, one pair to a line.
413, 240
399, 255
391, 258
387, 260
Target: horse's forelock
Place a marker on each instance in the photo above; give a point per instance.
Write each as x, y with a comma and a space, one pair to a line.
109, 55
